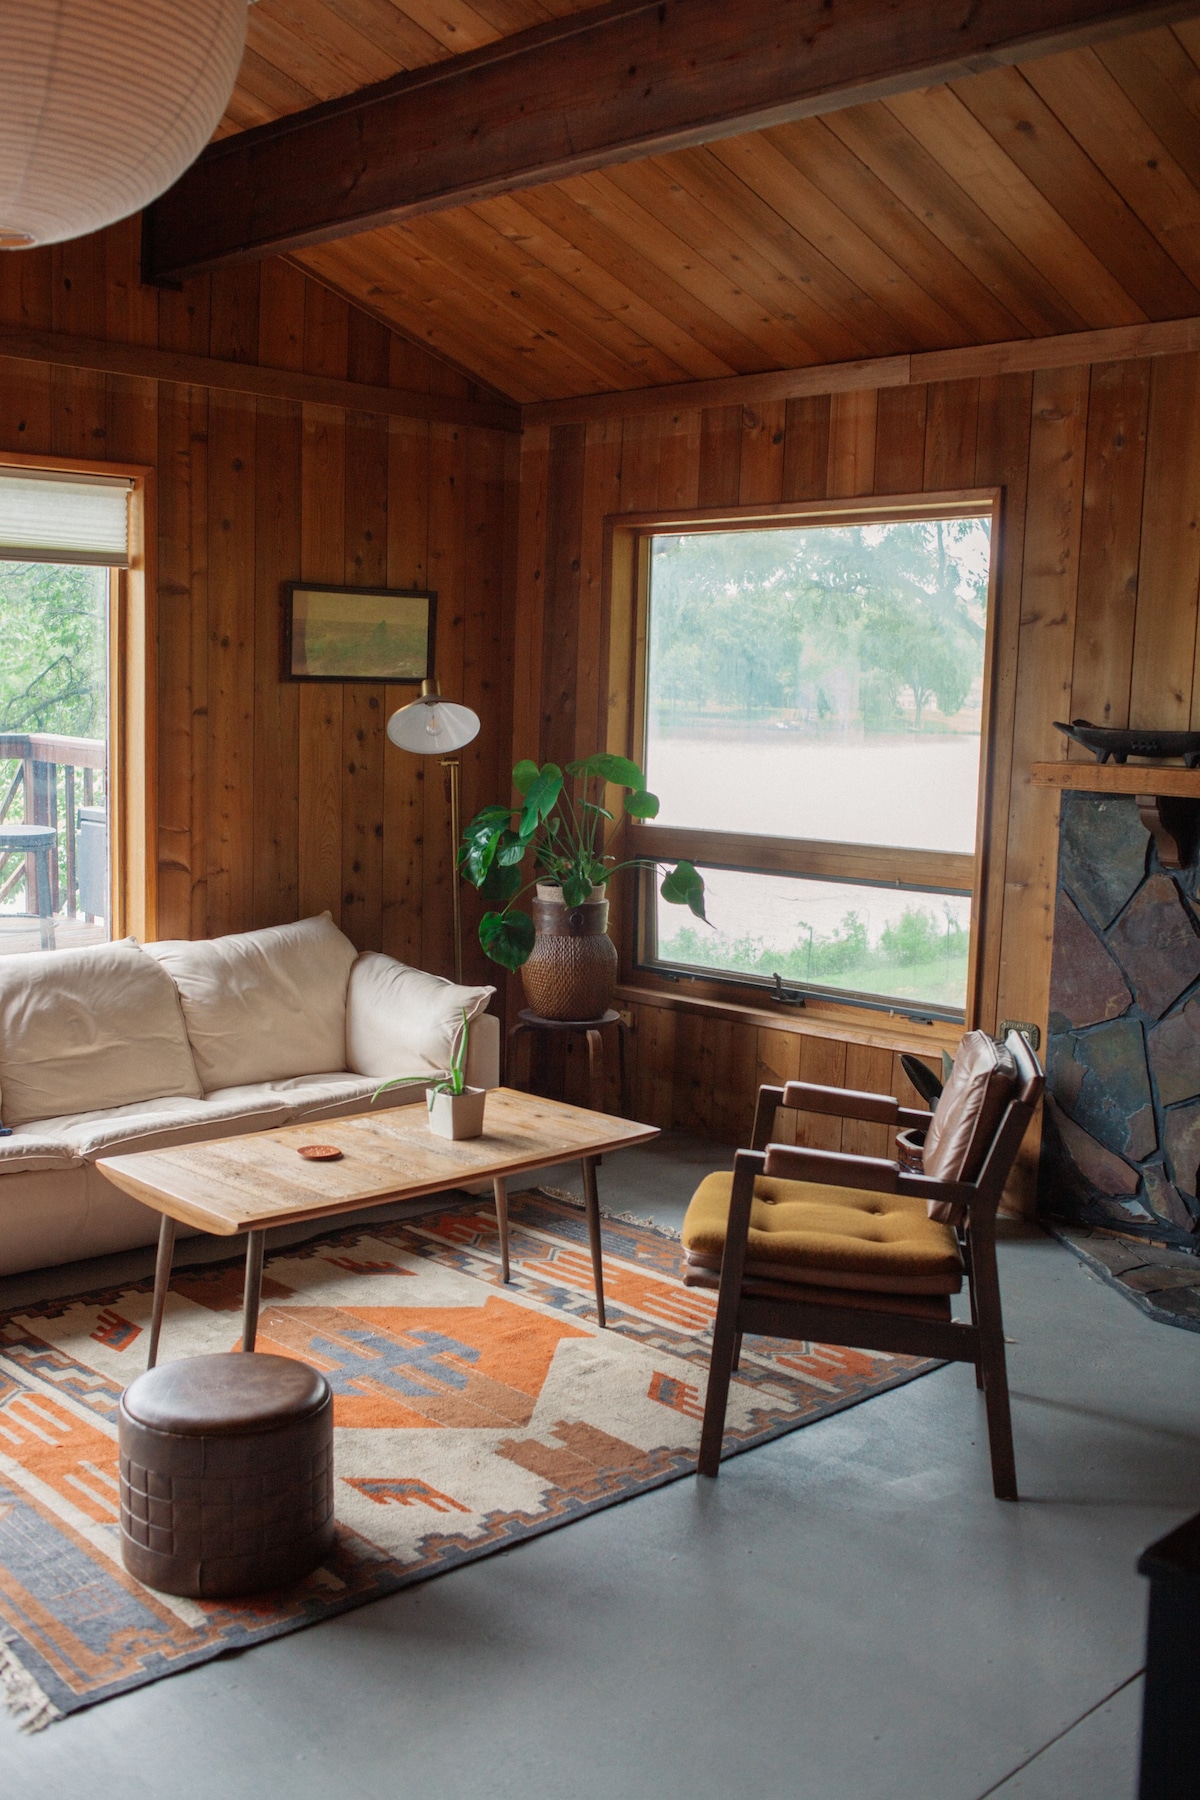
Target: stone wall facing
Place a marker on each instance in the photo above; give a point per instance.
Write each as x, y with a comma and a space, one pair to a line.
1121, 1142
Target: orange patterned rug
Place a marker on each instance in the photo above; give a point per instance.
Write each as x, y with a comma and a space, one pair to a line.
469, 1415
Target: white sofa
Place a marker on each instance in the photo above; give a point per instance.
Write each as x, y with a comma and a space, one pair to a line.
131, 1047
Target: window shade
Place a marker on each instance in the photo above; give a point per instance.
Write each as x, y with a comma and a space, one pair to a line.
50, 517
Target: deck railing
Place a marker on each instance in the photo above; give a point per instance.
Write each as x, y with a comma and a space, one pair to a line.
43, 789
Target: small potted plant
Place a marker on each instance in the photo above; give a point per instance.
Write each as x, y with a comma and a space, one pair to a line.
455, 1110
568, 963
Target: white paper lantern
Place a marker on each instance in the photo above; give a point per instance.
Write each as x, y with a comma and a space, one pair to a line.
103, 104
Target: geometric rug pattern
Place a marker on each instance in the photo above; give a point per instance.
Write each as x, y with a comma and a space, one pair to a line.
468, 1415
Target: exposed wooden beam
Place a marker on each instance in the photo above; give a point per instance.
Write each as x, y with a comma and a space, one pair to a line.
251, 378
1119, 343
630, 79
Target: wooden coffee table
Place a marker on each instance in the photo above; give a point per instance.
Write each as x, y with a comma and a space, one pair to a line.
248, 1184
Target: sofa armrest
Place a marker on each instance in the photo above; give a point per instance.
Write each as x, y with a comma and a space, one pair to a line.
483, 1052
401, 1021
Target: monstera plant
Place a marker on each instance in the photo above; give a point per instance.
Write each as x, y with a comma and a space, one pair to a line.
563, 825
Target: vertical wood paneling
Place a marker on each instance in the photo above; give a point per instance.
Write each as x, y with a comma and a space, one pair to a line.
1043, 683
277, 702
177, 722
602, 485
764, 428
806, 449
951, 422
1164, 651
852, 421
1110, 547
447, 555
363, 718
720, 461
1002, 460
900, 440
403, 776
231, 481
277, 797
322, 536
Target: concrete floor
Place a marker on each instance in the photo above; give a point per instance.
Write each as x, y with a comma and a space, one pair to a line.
847, 1614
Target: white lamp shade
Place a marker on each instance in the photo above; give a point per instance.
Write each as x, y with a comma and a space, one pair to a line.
433, 726
103, 104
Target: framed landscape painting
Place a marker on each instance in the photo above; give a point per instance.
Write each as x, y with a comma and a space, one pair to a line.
357, 634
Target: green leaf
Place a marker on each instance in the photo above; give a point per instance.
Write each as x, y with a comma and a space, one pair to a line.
590, 806
507, 937
684, 886
510, 851
576, 888
488, 818
617, 769
479, 842
541, 797
524, 776
500, 884
458, 1062
642, 805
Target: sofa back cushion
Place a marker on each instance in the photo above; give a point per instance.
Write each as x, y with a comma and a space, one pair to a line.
401, 1021
81, 1030
263, 1005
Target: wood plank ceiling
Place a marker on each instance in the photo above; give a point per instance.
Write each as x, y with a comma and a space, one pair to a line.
1058, 196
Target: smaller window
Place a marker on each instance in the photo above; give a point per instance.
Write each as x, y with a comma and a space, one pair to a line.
814, 709
69, 640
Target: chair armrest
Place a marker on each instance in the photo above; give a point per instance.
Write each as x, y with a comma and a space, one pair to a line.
924, 1187
839, 1168
836, 1168
849, 1103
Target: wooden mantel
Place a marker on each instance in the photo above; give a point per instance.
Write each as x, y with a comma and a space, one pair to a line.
1118, 778
1166, 797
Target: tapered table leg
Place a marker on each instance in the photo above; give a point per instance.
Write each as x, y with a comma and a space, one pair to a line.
162, 1281
500, 1189
253, 1291
591, 1200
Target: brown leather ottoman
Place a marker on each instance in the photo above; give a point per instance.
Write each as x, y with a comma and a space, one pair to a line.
226, 1474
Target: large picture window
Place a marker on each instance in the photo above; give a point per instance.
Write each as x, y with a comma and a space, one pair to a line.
813, 713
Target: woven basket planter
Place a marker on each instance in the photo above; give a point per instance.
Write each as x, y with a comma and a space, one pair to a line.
572, 969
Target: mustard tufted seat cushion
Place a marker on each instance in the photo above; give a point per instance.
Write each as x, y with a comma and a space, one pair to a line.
827, 1237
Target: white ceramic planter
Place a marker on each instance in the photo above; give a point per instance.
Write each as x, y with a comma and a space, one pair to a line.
457, 1115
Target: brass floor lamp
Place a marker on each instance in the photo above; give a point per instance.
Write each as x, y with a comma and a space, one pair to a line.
432, 726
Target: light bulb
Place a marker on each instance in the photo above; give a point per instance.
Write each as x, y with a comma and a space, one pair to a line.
433, 723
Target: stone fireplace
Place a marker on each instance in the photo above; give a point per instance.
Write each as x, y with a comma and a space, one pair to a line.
1121, 1141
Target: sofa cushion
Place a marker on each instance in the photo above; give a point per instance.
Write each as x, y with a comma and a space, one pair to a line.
86, 1029
155, 1124
306, 1095
263, 1005
34, 1148
401, 1021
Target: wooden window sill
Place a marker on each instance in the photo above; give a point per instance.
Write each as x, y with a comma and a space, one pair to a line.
848, 1025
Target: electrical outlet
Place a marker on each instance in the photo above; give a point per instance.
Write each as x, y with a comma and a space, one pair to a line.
1030, 1032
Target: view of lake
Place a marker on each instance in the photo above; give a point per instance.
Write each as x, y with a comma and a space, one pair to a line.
873, 788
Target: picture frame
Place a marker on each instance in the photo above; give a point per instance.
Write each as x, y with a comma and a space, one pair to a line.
333, 633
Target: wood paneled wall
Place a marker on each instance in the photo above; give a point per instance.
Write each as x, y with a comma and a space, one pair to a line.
1097, 616
277, 799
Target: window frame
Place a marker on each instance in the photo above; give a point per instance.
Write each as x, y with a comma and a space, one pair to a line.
132, 785
628, 540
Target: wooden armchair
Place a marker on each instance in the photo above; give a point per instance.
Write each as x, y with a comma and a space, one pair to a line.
842, 1249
